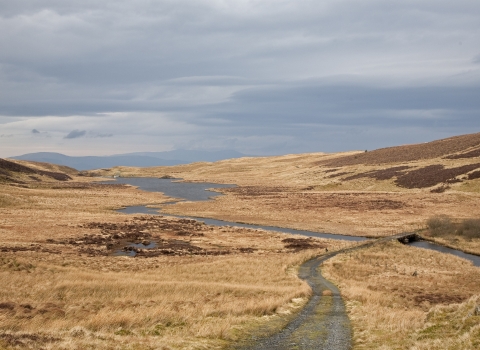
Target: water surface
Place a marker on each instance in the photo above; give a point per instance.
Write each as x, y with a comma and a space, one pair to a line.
194, 191
191, 191
439, 248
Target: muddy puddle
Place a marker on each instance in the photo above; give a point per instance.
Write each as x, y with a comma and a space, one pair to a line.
131, 249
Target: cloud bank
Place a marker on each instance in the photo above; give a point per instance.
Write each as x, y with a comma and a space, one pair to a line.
262, 77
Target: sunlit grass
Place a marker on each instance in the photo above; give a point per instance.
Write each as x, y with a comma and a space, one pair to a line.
392, 292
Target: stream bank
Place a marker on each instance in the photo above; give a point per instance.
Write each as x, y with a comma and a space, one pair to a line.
197, 191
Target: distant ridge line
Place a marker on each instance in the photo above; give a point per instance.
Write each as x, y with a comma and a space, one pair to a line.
137, 159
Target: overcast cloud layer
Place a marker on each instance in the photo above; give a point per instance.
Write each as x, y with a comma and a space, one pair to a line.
262, 77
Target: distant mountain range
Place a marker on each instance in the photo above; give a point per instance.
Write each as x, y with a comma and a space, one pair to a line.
140, 159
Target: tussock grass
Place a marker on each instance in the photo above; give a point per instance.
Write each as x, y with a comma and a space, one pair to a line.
6, 201
189, 298
440, 225
458, 234
55, 296
402, 297
455, 326
469, 228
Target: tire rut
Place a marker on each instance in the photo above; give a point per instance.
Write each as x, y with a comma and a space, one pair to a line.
322, 324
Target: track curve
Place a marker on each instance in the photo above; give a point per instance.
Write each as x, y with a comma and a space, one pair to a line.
322, 324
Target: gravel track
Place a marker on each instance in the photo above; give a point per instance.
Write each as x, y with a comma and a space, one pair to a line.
322, 324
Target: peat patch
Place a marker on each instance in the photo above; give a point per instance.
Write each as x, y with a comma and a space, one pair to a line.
472, 154
432, 175
383, 174
298, 244
408, 153
146, 236
474, 175
339, 174
25, 340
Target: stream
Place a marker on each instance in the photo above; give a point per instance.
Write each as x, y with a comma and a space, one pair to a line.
194, 191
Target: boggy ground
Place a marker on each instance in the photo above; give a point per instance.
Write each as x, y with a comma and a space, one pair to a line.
201, 287
365, 193
375, 193
402, 297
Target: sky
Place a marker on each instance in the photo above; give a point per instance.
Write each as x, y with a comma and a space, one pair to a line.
262, 77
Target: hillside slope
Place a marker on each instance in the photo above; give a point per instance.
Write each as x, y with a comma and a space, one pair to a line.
374, 193
463, 146
21, 172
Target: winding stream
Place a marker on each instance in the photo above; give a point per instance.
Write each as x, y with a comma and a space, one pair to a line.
194, 191
323, 323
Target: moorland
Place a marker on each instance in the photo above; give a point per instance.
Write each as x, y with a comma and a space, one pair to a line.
209, 287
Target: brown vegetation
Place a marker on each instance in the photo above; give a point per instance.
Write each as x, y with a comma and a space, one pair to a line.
7, 167
474, 175
443, 225
200, 287
409, 153
458, 234
383, 174
203, 286
298, 244
401, 297
472, 154
432, 175
419, 178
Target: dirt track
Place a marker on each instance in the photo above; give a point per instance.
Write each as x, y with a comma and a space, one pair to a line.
323, 322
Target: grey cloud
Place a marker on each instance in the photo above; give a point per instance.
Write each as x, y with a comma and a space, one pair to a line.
35, 131
286, 70
75, 134
102, 135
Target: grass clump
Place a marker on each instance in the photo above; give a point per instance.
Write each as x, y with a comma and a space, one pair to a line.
15, 265
458, 325
470, 228
440, 225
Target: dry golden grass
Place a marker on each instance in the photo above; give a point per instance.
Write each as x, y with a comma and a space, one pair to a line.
471, 246
402, 297
463, 235
55, 296
294, 191
184, 302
